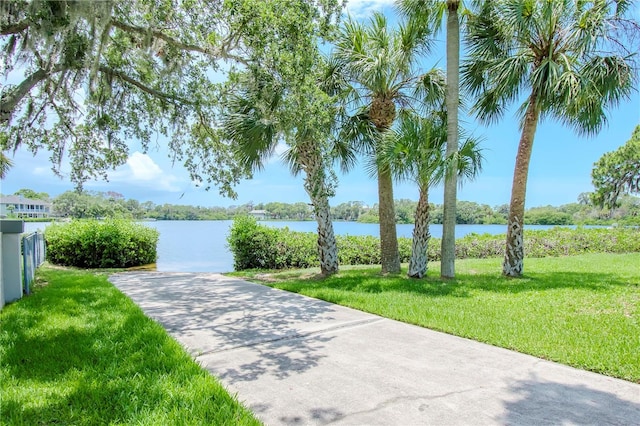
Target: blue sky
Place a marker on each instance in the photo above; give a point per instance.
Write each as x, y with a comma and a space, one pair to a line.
560, 168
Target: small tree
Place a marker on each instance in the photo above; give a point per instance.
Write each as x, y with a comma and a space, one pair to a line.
263, 112
416, 150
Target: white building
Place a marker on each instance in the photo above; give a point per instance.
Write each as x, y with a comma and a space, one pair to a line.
17, 206
259, 214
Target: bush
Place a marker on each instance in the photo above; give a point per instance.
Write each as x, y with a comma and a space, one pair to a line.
111, 243
552, 242
257, 246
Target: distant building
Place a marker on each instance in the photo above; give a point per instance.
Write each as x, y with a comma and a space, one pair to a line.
259, 214
14, 205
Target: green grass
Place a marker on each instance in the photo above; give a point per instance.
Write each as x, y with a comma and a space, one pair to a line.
582, 310
79, 352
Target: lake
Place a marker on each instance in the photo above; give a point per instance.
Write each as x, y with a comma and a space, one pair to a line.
201, 246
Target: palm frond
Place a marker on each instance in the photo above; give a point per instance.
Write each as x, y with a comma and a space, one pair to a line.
431, 88
566, 53
332, 79
251, 123
414, 149
291, 157
360, 133
343, 153
428, 14
5, 165
600, 82
470, 158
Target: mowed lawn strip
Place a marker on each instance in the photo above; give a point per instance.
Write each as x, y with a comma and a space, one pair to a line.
583, 311
80, 352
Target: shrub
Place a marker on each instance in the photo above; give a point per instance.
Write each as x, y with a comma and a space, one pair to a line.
545, 243
258, 246
111, 243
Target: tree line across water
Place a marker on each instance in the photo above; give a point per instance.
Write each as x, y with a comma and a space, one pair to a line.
90, 204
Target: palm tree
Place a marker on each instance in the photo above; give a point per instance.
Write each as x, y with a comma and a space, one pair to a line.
568, 58
259, 116
430, 13
448, 245
378, 63
416, 150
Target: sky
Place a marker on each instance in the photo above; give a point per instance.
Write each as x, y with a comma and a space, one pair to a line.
560, 168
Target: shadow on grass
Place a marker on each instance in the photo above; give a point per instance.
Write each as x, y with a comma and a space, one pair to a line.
463, 286
545, 281
79, 352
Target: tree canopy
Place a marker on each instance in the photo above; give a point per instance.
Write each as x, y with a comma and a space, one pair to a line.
31, 194
91, 76
617, 173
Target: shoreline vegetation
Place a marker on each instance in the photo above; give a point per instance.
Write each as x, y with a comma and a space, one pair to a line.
255, 245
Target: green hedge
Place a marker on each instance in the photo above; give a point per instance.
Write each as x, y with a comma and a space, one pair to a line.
257, 246
112, 243
261, 247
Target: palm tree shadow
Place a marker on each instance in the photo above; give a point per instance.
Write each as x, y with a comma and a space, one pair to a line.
545, 402
464, 285
378, 284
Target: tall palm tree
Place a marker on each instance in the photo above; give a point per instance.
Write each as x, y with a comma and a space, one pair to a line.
259, 116
448, 244
430, 13
379, 65
416, 150
568, 62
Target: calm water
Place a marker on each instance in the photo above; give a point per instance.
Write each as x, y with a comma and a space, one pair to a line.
201, 246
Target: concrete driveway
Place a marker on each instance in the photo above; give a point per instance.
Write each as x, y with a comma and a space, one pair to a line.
294, 360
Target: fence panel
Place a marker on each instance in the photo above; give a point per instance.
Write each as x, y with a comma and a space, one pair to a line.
33, 255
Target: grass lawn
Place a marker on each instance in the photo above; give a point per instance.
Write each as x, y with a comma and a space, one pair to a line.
582, 310
79, 352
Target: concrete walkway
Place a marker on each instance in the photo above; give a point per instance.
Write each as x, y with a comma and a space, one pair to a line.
296, 360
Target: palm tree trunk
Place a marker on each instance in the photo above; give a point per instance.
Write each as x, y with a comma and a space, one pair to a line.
513, 265
327, 247
421, 236
389, 254
316, 186
448, 247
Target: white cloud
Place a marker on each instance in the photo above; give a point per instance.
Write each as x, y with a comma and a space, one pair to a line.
360, 8
140, 170
143, 167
